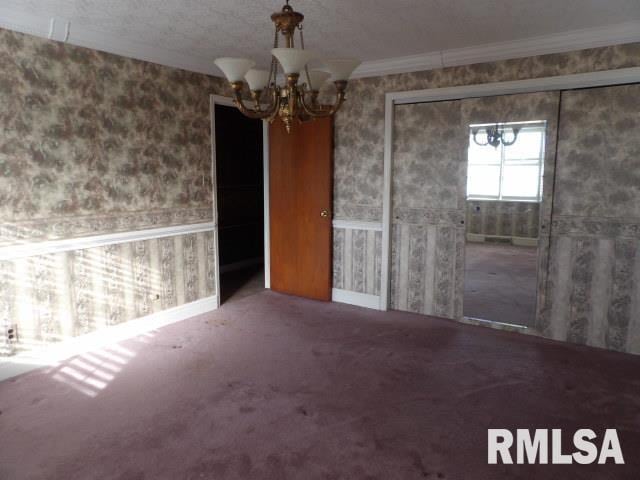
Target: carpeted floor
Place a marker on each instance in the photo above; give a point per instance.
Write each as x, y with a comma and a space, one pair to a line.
500, 283
274, 387
242, 283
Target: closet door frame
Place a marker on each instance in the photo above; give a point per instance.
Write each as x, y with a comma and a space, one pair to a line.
228, 102
564, 82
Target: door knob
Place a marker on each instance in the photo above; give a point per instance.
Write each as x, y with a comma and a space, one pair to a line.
324, 213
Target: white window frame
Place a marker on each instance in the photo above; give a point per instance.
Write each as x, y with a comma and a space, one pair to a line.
537, 125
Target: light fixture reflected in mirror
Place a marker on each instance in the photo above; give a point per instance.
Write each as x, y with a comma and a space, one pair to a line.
495, 135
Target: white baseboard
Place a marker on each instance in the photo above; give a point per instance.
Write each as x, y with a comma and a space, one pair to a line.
53, 354
232, 267
525, 242
355, 298
520, 241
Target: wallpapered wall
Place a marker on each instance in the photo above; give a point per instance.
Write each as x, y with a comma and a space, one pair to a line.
359, 180
357, 255
93, 143
504, 219
359, 127
594, 269
428, 208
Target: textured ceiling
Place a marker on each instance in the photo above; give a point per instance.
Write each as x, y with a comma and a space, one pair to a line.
367, 29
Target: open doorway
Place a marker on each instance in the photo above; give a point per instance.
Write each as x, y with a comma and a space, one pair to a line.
239, 165
504, 194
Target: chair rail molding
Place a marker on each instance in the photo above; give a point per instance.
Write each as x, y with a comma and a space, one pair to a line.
357, 225
32, 249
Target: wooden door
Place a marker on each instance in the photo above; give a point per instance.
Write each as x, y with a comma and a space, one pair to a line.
300, 198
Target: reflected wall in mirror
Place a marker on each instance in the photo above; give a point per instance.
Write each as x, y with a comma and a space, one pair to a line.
504, 192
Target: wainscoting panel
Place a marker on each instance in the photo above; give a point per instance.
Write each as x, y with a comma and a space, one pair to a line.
357, 253
52, 297
594, 285
426, 267
503, 219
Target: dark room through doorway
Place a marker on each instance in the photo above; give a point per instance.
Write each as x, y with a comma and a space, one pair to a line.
240, 202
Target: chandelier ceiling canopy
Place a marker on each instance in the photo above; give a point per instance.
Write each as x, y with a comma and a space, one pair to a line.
294, 94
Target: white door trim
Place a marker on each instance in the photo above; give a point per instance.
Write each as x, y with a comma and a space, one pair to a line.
265, 181
228, 102
564, 82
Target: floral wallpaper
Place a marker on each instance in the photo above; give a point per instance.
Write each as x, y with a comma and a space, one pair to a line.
88, 136
93, 143
590, 186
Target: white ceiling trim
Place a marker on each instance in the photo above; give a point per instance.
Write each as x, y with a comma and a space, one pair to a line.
59, 29
564, 42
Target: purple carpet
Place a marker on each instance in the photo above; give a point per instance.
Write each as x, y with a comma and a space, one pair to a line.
274, 387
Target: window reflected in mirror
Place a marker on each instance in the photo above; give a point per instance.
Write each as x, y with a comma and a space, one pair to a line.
504, 192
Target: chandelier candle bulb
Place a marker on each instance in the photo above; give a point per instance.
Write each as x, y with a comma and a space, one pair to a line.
341, 68
292, 60
257, 79
314, 79
234, 68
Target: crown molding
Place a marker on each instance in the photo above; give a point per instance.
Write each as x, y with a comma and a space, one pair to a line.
61, 30
562, 42
389, 66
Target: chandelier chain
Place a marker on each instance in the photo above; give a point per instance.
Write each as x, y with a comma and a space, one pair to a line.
273, 69
306, 67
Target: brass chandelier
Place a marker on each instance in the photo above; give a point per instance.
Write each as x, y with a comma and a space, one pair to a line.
294, 95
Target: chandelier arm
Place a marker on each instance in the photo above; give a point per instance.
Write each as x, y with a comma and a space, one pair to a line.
515, 131
256, 114
475, 132
326, 110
